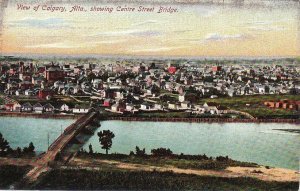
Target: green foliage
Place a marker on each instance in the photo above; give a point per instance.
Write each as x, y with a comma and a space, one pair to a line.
4, 146
10, 174
162, 152
105, 139
91, 149
140, 152
112, 179
29, 150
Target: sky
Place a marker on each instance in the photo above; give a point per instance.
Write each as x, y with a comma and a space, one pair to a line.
195, 30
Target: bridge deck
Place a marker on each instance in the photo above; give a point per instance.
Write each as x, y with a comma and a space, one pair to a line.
59, 144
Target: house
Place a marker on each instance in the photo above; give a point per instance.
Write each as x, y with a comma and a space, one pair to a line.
129, 107
28, 92
107, 102
185, 105
64, 107
158, 106
173, 106
26, 107
44, 93
211, 107
222, 109
145, 106
12, 107
48, 108
81, 109
118, 107
38, 108
182, 97
54, 73
199, 109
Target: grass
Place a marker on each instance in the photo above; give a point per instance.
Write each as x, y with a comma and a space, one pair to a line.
114, 179
257, 107
179, 161
9, 174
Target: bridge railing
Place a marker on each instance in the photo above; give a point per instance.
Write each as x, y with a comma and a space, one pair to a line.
71, 128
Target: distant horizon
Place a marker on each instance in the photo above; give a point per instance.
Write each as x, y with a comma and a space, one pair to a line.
146, 57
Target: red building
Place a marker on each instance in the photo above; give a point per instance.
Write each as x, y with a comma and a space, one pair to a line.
216, 68
54, 73
172, 69
26, 85
107, 102
44, 93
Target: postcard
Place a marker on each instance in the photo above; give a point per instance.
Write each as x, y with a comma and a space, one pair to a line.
149, 94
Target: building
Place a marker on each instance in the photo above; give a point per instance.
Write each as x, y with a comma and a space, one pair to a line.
44, 93
54, 73
216, 68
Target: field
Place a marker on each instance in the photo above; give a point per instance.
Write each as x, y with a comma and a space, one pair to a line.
9, 174
256, 106
113, 179
178, 161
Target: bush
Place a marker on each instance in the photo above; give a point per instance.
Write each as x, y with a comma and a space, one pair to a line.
162, 152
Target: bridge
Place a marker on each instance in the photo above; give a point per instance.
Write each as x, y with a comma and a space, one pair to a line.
70, 133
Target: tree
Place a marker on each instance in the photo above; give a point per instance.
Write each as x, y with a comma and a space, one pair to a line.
29, 149
161, 152
140, 152
4, 145
91, 149
105, 139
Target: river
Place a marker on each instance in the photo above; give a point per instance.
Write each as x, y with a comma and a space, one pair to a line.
251, 142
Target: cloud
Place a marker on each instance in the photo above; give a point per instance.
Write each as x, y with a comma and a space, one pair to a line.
204, 11
40, 23
61, 45
155, 49
109, 41
219, 37
267, 28
266, 25
145, 23
182, 31
72, 45
129, 32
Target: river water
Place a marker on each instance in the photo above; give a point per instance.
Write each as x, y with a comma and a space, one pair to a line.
251, 142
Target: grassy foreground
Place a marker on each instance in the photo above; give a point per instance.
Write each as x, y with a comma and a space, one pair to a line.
112, 179
198, 162
10, 174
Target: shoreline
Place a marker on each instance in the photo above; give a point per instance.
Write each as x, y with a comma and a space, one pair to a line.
153, 119
39, 115
205, 120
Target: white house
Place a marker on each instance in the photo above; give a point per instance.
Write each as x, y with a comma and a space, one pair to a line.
158, 106
38, 108
199, 109
145, 106
185, 105
173, 106
80, 109
181, 98
129, 107
64, 107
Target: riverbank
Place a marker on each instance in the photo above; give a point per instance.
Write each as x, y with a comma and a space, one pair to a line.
204, 120
84, 174
39, 115
151, 119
